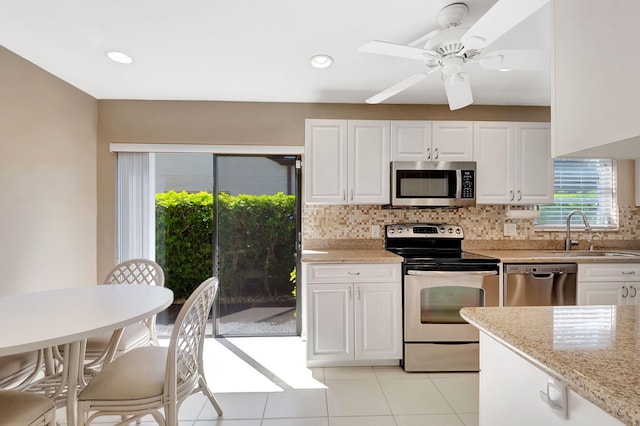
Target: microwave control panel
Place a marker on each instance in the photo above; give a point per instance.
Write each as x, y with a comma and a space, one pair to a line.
468, 190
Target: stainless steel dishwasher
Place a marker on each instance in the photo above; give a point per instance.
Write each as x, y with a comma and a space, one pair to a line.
549, 284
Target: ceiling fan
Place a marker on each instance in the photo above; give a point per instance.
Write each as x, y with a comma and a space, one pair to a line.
449, 48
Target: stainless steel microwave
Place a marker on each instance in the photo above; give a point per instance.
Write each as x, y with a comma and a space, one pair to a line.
433, 183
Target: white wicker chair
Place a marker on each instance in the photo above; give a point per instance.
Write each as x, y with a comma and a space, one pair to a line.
20, 369
100, 349
26, 409
153, 379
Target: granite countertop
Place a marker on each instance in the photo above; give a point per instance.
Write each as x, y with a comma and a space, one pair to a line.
556, 256
591, 349
350, 256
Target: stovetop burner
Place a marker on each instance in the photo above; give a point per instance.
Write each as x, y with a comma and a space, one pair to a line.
430, 243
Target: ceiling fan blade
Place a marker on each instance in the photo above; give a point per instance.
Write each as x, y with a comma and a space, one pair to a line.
458, 91
422, 40
533, 60
502, 16
398, 50
398, 87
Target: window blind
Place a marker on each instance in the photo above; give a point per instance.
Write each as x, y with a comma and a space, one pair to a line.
587, 184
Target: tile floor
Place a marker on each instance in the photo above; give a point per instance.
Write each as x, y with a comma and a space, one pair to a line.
264, 382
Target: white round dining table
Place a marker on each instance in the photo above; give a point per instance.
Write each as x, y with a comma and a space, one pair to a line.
40, 320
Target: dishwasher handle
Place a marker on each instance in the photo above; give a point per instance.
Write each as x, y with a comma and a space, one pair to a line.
543, 276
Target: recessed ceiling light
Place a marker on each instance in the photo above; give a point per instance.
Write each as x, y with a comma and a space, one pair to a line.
321, 61
504, 69
119, 57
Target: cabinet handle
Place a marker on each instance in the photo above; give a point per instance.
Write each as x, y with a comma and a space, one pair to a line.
344, 195
625, 291
511, 192
352, 195
428, 153
437, 154
519, 195
358, 292
353, 274
628, 272
350, 293
556, 398
633, 291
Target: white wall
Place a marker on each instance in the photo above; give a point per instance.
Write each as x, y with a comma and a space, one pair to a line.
47, 180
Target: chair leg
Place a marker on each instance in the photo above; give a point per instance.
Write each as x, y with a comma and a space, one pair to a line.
207, 392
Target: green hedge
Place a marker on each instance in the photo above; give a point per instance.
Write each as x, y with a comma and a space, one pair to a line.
257, 244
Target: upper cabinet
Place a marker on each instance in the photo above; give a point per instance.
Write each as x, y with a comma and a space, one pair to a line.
594, 105
431, 141
346, 162
514, 164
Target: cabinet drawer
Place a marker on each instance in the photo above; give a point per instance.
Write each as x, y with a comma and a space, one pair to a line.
353, 272
609, 272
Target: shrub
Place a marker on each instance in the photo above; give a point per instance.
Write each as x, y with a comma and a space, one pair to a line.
257, 243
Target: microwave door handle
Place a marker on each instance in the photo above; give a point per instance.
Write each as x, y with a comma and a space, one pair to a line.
450, 273
458, 183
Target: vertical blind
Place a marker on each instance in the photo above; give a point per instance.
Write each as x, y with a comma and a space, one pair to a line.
135, 210
587, 184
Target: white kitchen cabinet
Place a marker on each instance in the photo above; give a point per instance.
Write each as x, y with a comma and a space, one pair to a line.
346, 162
431, 141
608, 284
354, 314
510, 393
513, 163
637, 167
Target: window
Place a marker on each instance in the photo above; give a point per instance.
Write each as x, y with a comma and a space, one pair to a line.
587, 184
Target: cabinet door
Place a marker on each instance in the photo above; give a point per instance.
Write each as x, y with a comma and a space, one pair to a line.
411, 141
600, 293
330, 322
368, 168
510, 389
325, 160
452, 141
533, 163
378, 321
493, 150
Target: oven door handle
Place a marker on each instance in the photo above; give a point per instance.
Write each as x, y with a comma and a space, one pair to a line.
450, 273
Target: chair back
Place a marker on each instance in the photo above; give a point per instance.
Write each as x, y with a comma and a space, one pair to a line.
184, 361
136, 271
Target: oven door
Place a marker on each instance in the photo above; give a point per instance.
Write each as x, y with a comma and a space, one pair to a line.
433, 299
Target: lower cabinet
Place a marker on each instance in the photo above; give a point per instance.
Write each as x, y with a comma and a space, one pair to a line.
608, 284
354, 317
515, 392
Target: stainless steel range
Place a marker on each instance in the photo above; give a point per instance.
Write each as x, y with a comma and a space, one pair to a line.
439, 279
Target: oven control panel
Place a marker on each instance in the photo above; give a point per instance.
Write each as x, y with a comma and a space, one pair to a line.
424, 230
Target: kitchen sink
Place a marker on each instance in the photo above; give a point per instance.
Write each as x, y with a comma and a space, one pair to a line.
587, 253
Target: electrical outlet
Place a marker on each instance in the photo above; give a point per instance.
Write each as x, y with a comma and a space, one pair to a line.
510, 230
375, 231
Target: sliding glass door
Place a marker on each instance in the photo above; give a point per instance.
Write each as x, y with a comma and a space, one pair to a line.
257, 215
236, 217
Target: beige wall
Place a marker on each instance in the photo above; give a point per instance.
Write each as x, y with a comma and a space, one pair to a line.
194, 122
47, 180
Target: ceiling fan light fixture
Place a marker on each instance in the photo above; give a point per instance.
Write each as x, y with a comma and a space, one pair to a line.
321, 61
119, 57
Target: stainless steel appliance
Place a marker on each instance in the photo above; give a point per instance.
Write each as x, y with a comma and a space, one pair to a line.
550, 284
439, 279
433, 184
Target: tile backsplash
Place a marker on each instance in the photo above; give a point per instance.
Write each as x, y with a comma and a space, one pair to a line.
484, 222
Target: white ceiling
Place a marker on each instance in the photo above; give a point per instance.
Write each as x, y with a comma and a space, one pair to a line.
255, 50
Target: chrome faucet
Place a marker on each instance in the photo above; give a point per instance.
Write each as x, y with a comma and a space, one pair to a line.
587, 227
593, 239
